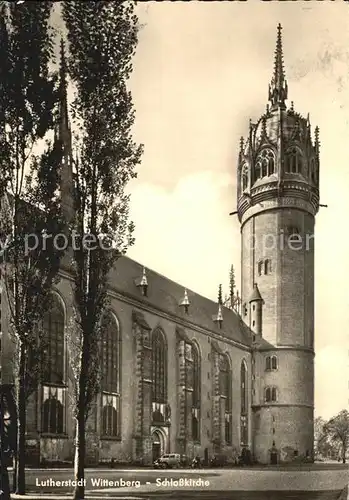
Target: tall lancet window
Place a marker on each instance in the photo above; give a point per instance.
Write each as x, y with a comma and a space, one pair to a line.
226, 394
244, 405
110, 362
265, 164
159, 376
293, 161
54, 389
196, 393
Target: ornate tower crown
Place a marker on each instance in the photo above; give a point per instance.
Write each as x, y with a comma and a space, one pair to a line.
279, 154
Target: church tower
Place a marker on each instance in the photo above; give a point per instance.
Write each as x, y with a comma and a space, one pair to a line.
278, 198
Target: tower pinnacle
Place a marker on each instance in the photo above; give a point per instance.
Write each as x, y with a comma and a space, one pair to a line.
278, 87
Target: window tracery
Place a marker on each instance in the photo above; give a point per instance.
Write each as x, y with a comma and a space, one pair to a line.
226, 393
53, 391
293, 161
244, 405
265, 164
159, 376
110, 362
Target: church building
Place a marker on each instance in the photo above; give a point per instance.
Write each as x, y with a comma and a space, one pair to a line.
182, 373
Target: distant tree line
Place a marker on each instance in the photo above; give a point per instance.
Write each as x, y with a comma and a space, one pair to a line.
331, 438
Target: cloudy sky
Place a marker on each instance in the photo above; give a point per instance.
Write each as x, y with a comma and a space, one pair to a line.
201, 71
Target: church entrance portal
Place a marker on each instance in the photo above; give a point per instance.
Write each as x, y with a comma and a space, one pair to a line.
158, 445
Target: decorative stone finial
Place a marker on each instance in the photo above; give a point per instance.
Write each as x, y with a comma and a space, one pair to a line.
142, 283
185, 303
264, 127
219, 317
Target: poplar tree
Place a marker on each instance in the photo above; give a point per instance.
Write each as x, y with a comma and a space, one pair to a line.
102, 40
232, 286
30, 206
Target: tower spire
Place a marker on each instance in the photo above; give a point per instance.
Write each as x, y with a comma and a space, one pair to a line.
63, 119
63, 134
278, 86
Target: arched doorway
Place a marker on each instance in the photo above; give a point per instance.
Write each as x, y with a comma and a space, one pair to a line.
158, 445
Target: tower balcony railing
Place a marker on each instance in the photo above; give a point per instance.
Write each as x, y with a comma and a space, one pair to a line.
275, 190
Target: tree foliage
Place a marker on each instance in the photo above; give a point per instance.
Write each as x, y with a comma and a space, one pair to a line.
220, 295
232, 283
337, 429
30, 206
102, 40
322, 445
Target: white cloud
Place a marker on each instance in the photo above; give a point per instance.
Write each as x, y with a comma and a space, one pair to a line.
187, 234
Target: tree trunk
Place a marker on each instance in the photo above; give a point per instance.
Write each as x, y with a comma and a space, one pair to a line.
21, 402
79, 466
79, 460
14, 474
4, 479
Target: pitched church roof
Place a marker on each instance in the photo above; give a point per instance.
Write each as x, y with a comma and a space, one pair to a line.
166, 295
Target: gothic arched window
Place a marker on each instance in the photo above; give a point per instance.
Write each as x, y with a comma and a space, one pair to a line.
110, 362
243, 386
260, 267
226, 393
265, 164
267, 266
159, 376
53, 375
293, 161
264, 267
110, 354
244, 405
196, 393
271, 363
109, 420
244, 177
270, 395
196, 375
274, 363
53, 410
53, 323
